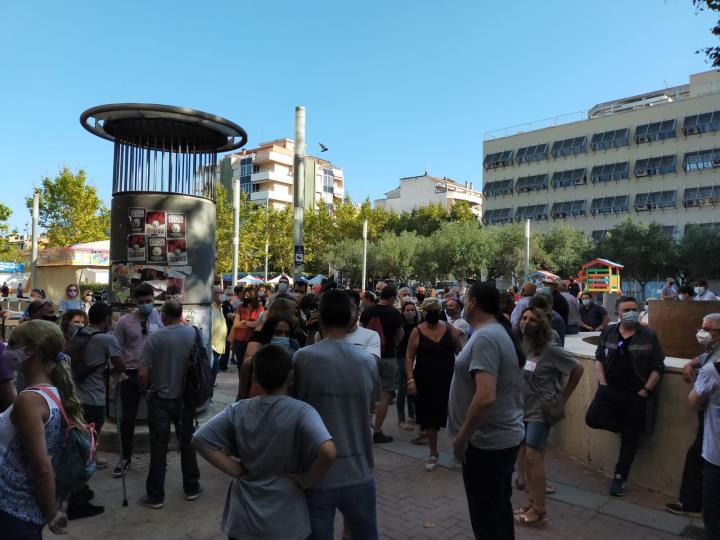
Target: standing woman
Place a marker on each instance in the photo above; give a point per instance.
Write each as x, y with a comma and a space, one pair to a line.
87, 301
71, 300
431, 348
246, 316
411, 318
31, 433
544, 402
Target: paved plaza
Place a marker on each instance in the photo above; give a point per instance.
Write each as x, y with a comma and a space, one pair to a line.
412, 503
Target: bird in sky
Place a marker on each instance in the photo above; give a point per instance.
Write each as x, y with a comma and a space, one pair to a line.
323, 148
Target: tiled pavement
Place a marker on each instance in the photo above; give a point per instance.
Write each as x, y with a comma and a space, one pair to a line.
412, 503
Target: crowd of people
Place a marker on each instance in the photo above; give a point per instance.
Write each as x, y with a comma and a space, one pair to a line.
317, 371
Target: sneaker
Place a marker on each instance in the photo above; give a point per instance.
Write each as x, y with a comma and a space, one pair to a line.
617, 486
380, 438
193, 496
420, 439
121, 468
678, 509
84, 510
151, 503
431, 464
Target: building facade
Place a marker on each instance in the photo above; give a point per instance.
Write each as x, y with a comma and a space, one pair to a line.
416, 191
653, 157
266, 175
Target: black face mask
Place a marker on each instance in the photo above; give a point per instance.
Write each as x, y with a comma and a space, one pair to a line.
432, 316
420, 297
246, 301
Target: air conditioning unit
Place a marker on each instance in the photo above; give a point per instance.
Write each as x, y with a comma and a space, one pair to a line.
640, 139
691, 130
690, 202
716, 162
641, 172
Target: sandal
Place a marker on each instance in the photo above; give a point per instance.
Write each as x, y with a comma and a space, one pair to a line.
531, 518
431, 463
549, 490
523, 509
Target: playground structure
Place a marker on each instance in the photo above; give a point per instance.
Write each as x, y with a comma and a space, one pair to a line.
601, 276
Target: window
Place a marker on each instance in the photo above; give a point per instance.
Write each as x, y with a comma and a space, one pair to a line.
703, 227
501, 187
701, 123
574, 177
669, 231
256, 169
537, 182
610, 139
570, 147
534, 211
655, 166
657, 131
246, 167
529, 154
599, 235
610, 205
497, 216
256, 188
328, 180
610, 171
700, 196
656, 199
702, 159
562, 210
498, 159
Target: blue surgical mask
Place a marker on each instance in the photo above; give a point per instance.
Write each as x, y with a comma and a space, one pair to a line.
630, 318
586, 302
283, 287
544, 289
280, 341
146, 309
699, 291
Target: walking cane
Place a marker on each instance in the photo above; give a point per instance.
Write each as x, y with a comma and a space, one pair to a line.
118, 419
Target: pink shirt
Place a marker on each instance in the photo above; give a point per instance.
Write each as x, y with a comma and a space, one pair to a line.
128, 332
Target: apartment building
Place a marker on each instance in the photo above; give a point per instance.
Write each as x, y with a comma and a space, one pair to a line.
416, 191
653, 157
266, 175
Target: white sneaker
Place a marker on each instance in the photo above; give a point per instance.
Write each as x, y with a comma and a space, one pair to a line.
431, 464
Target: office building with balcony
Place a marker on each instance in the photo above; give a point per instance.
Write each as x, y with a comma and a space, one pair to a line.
266, 175
417, 191
653, 157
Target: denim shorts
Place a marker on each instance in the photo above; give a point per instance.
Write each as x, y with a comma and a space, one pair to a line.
536, 435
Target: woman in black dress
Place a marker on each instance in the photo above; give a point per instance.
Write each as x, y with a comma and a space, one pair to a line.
429, 365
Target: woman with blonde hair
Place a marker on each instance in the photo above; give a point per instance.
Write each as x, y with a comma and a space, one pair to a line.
31, 432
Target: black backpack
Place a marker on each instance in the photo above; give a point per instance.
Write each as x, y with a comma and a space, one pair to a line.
198, 378
75, 349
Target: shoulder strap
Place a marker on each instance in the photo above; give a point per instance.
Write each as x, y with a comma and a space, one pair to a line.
57, 402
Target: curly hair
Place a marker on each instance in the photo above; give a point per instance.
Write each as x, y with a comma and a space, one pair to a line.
536, 341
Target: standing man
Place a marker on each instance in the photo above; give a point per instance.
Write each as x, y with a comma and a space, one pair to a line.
340, 380
574, 319
164, 365
669, 291
527, 292
228, 310
573, 288
131, 332
690, 498
388, 323
299, 289
629, 362
702, 292
454, 308
219, 333
560, 306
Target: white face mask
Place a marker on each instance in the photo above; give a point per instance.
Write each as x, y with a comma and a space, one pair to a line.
681, 296
699, 291
703, 337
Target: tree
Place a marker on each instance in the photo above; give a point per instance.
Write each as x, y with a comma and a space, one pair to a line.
503, 251
462, 211
394, 255
562, 250
8, 252
70, 210
458, 249
712, 53
699, 253
224, 229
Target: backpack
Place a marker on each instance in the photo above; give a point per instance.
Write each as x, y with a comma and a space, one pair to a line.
198, 378
76, 351
74, 463
375, 324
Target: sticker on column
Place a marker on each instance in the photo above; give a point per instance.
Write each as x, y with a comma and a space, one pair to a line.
137, 220
177, 252
176, 225
136, 247
155, 223
157, 249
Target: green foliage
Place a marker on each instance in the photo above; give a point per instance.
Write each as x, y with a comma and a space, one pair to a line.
8, 252
711, 53
70, 210
563, 250
699, 253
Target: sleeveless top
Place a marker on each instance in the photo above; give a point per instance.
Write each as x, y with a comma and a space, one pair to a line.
16, 484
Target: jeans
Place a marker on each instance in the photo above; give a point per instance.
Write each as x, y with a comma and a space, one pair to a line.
161, 414
711, 500
130, 399
619, 412
691, 485
402, 395
225, 357
487, 475
357, 504
16, 529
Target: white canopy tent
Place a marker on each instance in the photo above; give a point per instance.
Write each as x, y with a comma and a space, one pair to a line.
250, 280
276, 280
317, 280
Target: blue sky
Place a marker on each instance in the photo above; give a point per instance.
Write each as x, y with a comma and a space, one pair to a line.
392, 87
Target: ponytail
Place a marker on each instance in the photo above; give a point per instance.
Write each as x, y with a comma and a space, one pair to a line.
61, 376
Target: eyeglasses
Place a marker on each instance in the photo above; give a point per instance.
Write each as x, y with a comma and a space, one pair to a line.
711, 329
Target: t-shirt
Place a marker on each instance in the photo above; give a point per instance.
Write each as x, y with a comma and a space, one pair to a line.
129, 333
391, 321
669, 291
342, 383
707, 385
560, 305
490, 349
593, 314
707, 296
272, 436
166, 356
541, 379
573, 309
98, 350
71, 303
367, 340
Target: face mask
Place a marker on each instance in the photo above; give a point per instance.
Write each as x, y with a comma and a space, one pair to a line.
630, 318
145, 309
283, 287
261, 294
420, 297
703, 337
432, 316
280, 341
77, 326
699, 291
410, 317
51, 318
544, 290
246, 301
527, 327
223, 298
15, 357
681, 296
72, 294
586, 302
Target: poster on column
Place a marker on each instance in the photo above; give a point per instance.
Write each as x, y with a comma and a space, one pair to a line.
137, 220
176, 225
157, 249
155, 223
177, 252
136, 247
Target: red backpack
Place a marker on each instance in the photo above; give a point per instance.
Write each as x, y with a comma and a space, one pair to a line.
375, 324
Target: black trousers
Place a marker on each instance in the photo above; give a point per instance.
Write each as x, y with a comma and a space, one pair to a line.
93, 414
130, 399
691, 486
711, 500
487, 475
619, 412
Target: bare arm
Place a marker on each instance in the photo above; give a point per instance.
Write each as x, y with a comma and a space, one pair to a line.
245, 371
482, 402
399, 335
219, 459
697, 402
651, 382
410, 353
573, 381
323, 461
118, 363
456, 337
